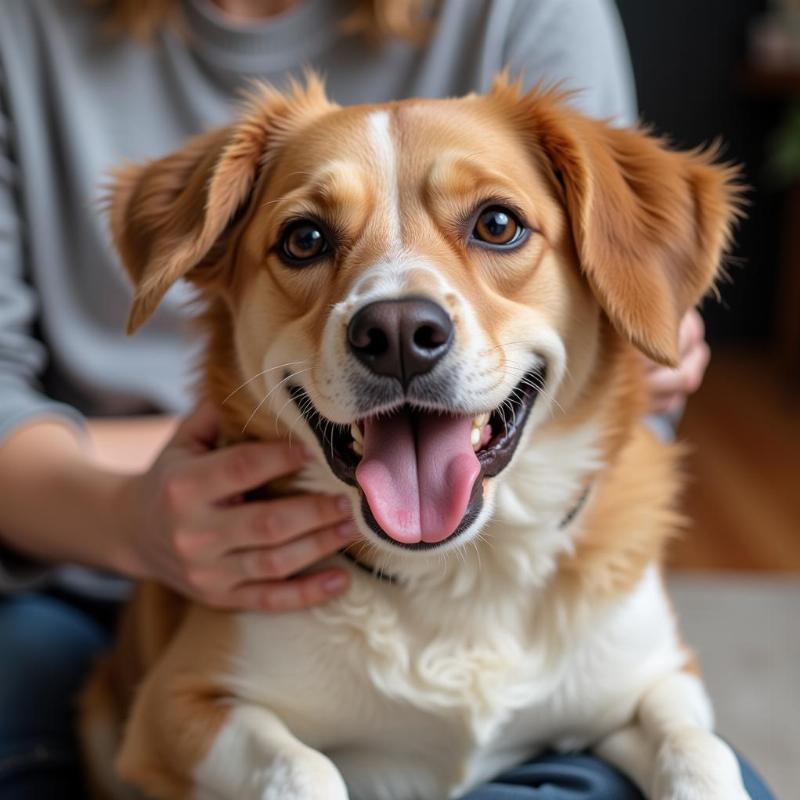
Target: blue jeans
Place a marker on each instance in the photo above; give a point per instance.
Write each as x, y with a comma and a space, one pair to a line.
47, 644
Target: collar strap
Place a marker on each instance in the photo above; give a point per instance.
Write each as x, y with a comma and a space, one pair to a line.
575, 510
375, 572
388, 577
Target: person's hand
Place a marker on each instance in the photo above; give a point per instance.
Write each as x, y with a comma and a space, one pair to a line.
187, 527
669, 388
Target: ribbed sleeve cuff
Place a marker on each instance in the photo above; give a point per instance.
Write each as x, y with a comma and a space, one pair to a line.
12, 418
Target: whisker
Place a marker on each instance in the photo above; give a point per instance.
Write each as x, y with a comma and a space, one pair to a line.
503, 344
277, 416
302, 409
270, 392
258, 375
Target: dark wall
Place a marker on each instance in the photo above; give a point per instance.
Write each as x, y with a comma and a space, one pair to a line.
688, 57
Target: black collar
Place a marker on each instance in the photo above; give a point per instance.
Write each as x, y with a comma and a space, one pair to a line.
376, 572
387, 577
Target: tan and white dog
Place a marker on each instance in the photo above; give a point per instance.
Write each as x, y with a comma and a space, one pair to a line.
458, 293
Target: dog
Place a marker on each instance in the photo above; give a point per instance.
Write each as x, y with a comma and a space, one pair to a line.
460, 292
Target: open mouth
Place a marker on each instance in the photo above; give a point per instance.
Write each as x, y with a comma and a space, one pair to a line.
420, 471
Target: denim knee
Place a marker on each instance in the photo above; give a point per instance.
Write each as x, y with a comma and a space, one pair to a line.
47, 649
580, 777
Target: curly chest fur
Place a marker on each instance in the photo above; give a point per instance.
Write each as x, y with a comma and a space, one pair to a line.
378, 687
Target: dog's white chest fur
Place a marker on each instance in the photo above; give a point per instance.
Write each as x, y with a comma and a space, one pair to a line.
422, 690
406, 709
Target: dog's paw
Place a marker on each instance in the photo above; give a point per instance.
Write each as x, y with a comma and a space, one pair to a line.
693, 764
312, 777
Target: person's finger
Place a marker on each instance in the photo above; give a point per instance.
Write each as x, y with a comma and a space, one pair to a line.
277, 563
692, 331
694, 366
674, 405
669, 387
274, 522
233, 470
200, 429
667, 403
665, 382
290, 595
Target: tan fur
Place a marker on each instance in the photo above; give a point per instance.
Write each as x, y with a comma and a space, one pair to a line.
180, 651
633, 203
628, 236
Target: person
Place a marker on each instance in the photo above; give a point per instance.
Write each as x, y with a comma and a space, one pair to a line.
95, 429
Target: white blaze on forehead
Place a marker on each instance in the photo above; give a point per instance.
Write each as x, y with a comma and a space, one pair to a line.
383, 148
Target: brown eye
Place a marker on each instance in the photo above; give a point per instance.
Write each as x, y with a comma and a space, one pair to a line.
303, 242
498, 226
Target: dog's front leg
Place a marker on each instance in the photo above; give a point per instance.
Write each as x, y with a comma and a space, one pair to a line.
256, 757
670, 749
187, 739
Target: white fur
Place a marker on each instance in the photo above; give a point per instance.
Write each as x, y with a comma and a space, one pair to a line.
381, 141
670, 750
412, 698
255, 757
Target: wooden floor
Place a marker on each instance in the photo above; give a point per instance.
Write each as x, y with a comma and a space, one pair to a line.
744, 496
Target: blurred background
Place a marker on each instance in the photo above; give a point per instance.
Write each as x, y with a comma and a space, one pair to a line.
731, 69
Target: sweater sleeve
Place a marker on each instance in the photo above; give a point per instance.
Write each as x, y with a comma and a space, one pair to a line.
580, 45
22, 356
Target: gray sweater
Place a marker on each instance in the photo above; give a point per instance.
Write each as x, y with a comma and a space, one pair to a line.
75, 102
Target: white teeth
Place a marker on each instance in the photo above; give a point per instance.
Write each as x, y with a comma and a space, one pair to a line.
481, 420
358, 440
475, 438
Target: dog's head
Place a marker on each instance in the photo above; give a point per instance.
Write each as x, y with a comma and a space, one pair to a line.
417, 286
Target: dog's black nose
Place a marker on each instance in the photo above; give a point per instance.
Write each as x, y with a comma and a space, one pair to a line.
400, 338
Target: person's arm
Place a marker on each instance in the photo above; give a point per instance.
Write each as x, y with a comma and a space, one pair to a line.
129, 444
55, 503
54, 480
22, 357
103, 493
180, 521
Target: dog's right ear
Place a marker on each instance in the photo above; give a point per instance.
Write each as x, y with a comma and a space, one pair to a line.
168, 215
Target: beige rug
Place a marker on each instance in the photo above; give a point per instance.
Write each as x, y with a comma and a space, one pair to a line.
746, 630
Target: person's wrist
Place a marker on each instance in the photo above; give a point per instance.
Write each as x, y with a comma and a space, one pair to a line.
116, 507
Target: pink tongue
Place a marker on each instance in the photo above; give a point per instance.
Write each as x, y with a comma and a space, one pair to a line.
417, 474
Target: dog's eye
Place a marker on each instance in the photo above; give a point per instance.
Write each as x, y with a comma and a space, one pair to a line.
303, 241
498, 226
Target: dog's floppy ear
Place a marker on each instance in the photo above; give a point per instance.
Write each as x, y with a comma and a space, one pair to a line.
168, 215
650, 224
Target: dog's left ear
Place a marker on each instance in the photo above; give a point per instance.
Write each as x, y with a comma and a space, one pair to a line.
169, 217
650, 224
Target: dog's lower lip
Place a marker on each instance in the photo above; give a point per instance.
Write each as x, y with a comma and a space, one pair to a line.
507, 423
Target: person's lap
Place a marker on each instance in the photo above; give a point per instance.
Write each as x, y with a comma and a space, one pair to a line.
47, 646
579, 777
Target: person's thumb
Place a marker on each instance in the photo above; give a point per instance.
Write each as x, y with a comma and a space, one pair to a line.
200, 429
